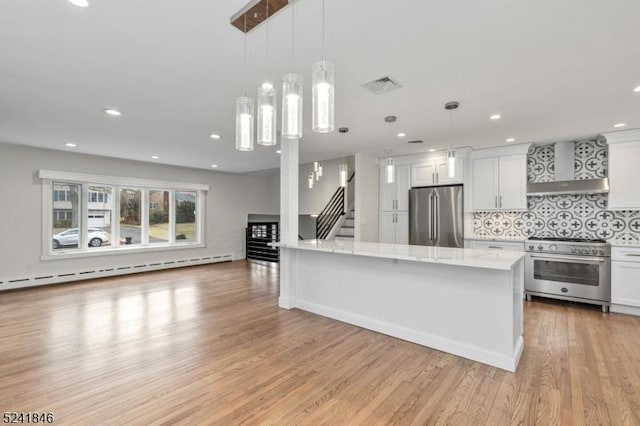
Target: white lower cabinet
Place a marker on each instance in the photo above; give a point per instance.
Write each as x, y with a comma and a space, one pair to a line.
496, 245
394, 227
625, 276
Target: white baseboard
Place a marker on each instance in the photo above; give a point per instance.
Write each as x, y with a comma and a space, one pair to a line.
504, 362
623, 309
115, 270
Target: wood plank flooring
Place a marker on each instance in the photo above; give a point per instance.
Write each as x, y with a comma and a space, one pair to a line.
208, 345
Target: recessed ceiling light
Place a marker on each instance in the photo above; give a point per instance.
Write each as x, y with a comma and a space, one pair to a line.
214, 136
637, 89
402, 135
79, 3
278, 152
155, 157
619, 125
432, 150
511, 140
112, 112
215, 166
70, 144
496, 117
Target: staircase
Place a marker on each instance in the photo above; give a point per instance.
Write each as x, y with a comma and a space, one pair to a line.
346, 230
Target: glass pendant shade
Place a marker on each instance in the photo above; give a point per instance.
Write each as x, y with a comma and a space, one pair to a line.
292, 106
310, 180
343, 175
267, 115
391, 170
451, 164
320, 170
244, 123
324, 115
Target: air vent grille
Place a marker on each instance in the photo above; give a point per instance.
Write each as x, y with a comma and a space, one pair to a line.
382, 85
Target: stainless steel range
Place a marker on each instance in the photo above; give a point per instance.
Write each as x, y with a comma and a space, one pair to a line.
569, 269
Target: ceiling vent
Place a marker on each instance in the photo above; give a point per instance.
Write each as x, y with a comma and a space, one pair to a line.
382, 85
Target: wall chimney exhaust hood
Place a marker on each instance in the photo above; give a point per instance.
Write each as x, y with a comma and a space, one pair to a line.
565, 182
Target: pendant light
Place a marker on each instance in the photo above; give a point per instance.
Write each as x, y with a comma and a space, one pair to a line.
292, 94
310, 177
267, 103
323, 81
451, 154
244, 109
391, 164
343, 169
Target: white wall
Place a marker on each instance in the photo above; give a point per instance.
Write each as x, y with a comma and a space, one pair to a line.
230, 198
313, 201
366, 198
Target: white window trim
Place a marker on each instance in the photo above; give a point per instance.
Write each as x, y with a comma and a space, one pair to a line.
145, 185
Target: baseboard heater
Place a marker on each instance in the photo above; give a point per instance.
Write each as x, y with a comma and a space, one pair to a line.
66, 277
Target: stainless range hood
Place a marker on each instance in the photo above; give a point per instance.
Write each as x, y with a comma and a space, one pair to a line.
565, 182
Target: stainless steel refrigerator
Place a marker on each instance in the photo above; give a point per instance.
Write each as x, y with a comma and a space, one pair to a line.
436, 216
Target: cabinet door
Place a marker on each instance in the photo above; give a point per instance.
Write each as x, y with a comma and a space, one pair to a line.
624, 175
625, 283
387, 227
387, 191
423, 174
403, 184
484, 194
402, 228
512, 194
442, 171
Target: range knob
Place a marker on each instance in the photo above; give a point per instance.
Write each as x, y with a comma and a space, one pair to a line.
532, 247
540, 248
553, 247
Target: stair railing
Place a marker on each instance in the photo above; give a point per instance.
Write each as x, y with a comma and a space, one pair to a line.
330, 215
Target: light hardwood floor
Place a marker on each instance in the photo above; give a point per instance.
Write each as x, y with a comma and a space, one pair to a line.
208, 345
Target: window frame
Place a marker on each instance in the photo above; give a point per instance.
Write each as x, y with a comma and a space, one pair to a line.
116, 183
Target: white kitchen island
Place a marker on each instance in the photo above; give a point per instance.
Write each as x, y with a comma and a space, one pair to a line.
461, 301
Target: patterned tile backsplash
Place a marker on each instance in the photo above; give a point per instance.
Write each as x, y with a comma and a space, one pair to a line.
564, 216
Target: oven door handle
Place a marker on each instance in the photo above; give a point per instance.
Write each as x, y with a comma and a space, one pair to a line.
571, 258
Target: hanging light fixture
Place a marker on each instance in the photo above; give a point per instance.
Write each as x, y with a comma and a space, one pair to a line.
244, 109
323, 75
391, 164
320, 170
267, 103
292, 94
343, 168
451, 154
311, 180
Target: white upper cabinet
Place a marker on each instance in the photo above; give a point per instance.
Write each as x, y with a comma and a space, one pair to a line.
499, 182
513, 182
624, 173
435, 171
484, 178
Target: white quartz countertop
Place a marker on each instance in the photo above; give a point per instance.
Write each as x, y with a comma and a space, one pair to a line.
488, 259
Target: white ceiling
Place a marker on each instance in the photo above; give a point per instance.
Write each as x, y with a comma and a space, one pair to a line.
555, 70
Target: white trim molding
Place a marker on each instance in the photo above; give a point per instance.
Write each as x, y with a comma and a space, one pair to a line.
119, 180
622, 136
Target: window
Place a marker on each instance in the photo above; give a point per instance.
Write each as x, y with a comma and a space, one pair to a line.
114, 216
66, 215
186, 216
159, 212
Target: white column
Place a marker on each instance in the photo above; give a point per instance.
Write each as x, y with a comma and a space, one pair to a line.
289, 165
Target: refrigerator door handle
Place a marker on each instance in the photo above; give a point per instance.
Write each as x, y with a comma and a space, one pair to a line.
431, 217
436, 217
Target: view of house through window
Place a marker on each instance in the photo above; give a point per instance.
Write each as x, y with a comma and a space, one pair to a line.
130, 216
95, 217
99, 216
66, 215
158, 217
